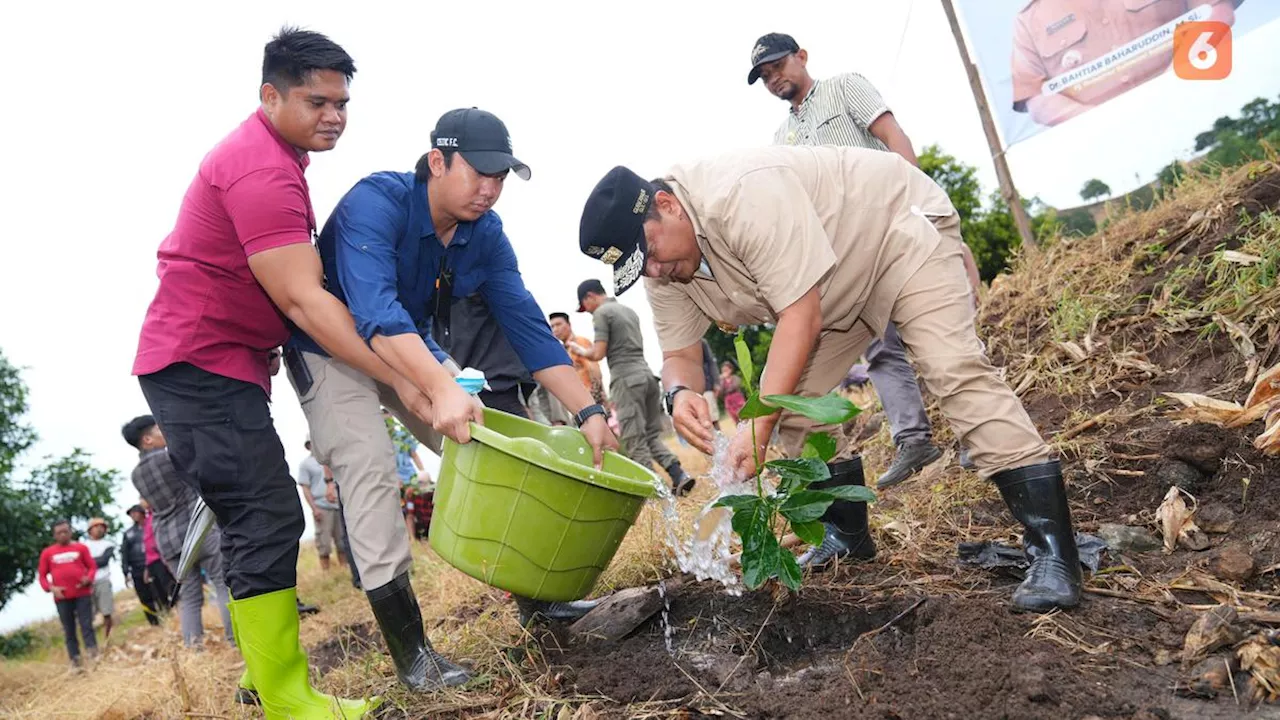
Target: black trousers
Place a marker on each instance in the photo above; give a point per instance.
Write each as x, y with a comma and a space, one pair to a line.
73, 612
145, 596
163, 585
510, 400
222, 439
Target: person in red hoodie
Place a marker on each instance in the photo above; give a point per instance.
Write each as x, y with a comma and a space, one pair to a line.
66, 570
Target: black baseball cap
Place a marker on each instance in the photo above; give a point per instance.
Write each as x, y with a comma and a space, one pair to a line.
767, 49
481, 138
135, 508
589, 286
612, 227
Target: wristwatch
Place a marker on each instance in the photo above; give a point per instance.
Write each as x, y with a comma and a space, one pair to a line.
585, 413
669, 400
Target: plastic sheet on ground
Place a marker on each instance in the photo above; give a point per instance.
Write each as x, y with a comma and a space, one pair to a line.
991, 555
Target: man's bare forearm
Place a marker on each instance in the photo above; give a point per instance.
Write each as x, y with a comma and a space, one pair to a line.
792, 344
684, 367
563, 383
409, 356
327, 321
306, 495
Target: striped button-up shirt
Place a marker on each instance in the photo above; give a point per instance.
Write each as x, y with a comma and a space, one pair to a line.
837, 111
171, 500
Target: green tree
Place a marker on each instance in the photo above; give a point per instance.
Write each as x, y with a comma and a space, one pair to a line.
1077, 222
989, 231
1094, 188
1235, 140
960, 181
68, 488
1209, 137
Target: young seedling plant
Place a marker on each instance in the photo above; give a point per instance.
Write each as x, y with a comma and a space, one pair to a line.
758, 518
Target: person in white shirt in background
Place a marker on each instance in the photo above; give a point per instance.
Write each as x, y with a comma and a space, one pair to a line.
314, 480
102, 550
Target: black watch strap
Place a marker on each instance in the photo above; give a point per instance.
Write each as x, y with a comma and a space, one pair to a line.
670, 398
585, 413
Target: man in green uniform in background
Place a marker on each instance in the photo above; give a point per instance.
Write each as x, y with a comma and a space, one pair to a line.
632, 385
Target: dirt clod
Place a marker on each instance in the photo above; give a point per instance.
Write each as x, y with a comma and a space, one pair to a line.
1200, 446
348, 642
1181, 474
1210, 677
1232, 563
1215, 518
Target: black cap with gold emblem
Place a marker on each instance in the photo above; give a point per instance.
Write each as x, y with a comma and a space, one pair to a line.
612, 227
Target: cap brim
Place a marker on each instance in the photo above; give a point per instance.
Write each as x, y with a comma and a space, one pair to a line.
628, 270
754, 75
492, 162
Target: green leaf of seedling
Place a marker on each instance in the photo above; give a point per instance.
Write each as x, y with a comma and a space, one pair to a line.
788, 569
810, 532
745, 366
761, 564
854, 493
796, 473
827, 409
805, 506
754, 409
738, 502
750, 522
819, 445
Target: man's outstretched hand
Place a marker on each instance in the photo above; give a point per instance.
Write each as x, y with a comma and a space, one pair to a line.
600, 437
692, 419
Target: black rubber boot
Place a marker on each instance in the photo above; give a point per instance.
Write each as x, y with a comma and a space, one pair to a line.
681, 482
418, 665
534, 610
305, 609
1037, 497
847, 536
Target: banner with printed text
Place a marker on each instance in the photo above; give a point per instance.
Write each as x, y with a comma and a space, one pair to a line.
1044, 62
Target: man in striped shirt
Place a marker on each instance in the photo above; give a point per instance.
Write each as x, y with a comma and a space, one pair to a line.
847, 110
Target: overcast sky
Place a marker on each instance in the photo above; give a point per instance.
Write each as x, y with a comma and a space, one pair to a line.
113, 107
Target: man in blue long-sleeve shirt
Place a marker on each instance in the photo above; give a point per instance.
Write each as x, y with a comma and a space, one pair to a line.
396, 250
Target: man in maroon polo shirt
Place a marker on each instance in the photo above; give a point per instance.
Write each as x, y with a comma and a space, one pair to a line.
237, 270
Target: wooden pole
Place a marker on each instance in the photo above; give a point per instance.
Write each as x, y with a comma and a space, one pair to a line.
1003, 175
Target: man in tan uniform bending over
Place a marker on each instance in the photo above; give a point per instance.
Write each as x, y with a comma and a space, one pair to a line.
830, 244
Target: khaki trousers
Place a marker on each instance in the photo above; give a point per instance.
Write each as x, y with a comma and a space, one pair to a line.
348, 434
329, 532
935, 319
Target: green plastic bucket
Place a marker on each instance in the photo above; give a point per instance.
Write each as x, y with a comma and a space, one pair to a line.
521, 508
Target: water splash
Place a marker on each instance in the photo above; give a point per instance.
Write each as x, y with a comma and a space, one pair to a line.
666, 616
707, 554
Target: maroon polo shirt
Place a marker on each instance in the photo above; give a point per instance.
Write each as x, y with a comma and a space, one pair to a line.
250, 195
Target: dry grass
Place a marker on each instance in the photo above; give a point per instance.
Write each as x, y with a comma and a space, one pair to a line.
145, 671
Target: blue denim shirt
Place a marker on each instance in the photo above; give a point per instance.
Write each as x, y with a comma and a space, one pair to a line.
381, 258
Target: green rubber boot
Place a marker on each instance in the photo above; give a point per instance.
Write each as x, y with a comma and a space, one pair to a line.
246, 693
266, 629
